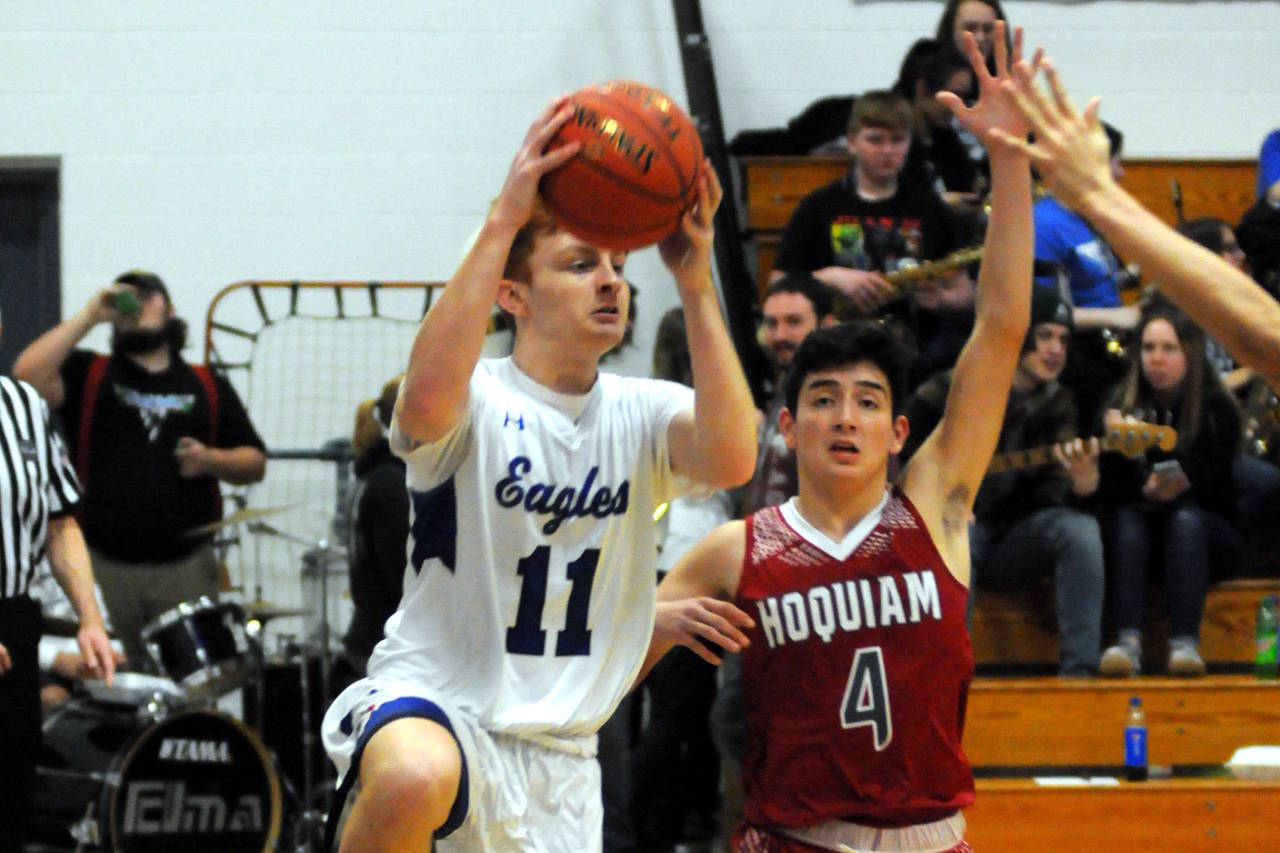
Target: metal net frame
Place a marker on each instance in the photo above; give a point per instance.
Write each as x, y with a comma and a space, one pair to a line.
302, 356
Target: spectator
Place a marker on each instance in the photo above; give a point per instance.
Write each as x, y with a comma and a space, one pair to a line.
1218, 237
1259, 229
1034, 521
1257, 479
151, 436
794, 305
867, 223
1171, 503
978, 19
938, 157
379, 513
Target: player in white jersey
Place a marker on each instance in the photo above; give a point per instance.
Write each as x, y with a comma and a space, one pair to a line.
528, 599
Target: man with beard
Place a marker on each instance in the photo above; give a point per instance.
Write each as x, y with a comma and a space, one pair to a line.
151, 436
794, 305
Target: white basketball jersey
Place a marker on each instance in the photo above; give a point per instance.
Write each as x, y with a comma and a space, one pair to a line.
529, 592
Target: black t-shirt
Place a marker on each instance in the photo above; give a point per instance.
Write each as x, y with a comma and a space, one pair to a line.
833, 226
942, 164
136, 506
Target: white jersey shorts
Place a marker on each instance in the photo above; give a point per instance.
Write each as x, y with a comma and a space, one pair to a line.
516, 794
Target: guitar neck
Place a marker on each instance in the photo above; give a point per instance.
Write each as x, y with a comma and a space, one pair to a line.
1035, 457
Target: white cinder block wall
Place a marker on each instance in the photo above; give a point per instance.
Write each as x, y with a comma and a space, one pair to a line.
215, 142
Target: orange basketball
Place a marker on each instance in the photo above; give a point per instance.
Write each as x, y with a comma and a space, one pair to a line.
636, 173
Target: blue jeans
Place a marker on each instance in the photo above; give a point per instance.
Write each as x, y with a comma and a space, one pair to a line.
1191, 539
1069, 543
1257, 495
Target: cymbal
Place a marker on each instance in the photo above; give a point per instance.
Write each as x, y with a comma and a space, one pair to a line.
264, 611
238, 517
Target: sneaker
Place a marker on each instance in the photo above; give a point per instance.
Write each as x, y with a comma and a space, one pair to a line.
1185, 662
1120, 661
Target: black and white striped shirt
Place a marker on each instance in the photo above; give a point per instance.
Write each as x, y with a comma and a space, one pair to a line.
37, 482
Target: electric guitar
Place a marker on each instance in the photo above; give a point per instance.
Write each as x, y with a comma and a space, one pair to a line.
1131, 439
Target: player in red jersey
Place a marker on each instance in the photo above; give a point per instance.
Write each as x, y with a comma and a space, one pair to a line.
855, 679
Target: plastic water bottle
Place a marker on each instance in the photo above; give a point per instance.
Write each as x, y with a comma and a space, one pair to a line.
1265, 663
1135, 742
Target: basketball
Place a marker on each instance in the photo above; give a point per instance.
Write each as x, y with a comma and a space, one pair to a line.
636, 173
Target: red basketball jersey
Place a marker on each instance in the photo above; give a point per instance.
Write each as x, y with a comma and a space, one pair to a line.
855, 682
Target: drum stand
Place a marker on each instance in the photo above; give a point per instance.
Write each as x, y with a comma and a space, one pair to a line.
310, 826
308, 830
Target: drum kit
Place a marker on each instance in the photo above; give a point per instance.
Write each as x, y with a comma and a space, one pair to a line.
151, 765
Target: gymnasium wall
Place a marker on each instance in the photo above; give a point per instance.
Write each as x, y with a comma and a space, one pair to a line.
214, 142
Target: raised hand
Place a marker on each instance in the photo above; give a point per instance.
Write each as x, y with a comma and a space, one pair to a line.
515, 202
687, 251
996, 108
1071, 151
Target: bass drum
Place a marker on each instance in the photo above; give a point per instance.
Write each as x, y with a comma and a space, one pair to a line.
112, 777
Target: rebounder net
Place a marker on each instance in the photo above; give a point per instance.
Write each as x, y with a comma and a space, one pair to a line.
302, 355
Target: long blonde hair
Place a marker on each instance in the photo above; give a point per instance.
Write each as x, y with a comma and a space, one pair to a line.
373, 418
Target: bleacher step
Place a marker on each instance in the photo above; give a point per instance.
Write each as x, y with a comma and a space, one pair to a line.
1186, 815
1054, 721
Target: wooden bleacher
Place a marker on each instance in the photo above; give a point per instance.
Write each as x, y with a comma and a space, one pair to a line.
774, 185
1050, 721
1184, 815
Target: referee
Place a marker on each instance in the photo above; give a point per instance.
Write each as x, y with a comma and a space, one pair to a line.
37, 492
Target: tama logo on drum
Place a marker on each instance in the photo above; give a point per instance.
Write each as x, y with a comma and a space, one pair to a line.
198, 751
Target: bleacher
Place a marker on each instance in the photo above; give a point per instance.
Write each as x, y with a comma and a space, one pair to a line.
1047, 752
774, 185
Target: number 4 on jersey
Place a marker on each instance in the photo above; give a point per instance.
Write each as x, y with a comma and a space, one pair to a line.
866, 697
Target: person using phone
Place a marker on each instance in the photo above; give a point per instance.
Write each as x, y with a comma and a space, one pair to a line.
1169, 508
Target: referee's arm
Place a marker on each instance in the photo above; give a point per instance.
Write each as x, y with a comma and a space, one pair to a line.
69, 562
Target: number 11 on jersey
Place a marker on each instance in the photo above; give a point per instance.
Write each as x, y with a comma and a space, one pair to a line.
526, 636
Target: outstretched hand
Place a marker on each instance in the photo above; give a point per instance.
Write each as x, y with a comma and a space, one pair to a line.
515, 202
996, 109
1070, 151
696, 623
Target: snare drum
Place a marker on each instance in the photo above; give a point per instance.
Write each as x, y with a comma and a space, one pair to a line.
202, 646
114, 778
136, 690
